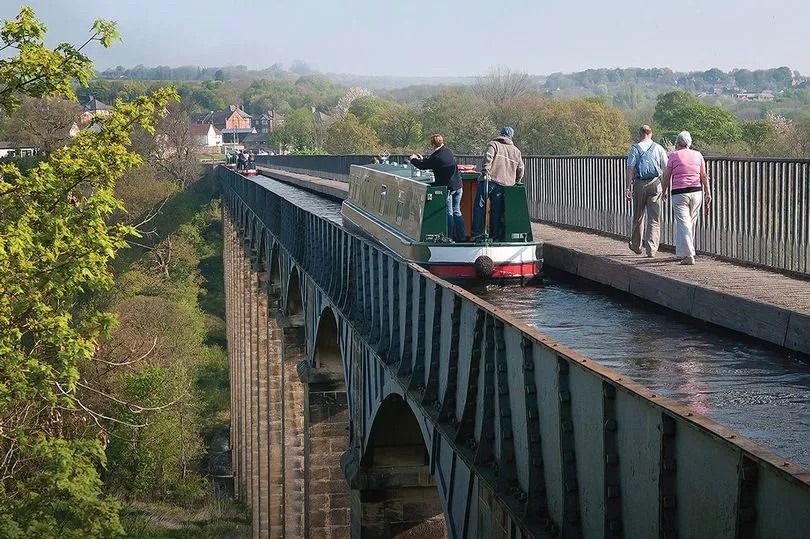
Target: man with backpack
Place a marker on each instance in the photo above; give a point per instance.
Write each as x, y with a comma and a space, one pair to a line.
645, 165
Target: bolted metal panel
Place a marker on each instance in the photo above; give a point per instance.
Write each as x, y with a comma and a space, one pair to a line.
485, 406
536, 505
415, 370
449, 350
506, 468
570, 525
586, 414
612, 478
667, 484
449, 383
465, 432
430, 395
384, 341
748, 481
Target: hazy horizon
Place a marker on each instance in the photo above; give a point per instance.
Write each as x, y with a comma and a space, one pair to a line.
439, 40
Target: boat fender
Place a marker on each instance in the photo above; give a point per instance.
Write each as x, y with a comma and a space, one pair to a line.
484, 266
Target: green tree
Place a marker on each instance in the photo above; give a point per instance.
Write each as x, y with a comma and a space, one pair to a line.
677, 111
44, 122
463, 119
397, 126
600, 128
401, 129
347, 136
630, 97
301, 132
757, 134
55, 248
37, 71
371, 111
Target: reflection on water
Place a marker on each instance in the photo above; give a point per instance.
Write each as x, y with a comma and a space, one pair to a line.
323, 207
756, 389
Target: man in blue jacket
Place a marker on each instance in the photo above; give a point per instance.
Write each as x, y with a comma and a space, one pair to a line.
445, 171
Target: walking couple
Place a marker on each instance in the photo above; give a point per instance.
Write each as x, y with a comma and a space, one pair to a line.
652, 176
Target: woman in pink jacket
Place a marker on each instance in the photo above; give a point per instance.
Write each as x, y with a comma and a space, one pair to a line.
686, 172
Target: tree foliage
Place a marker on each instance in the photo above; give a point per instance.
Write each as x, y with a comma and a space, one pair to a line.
398, 127
301, 131
38, 71
708, 124
502, 84
463, 119
348, 136
55, 247
44, 123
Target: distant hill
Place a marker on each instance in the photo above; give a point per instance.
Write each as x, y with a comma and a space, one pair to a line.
609, 81
588, 82
379, 82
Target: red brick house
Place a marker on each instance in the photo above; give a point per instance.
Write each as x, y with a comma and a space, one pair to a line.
231, 118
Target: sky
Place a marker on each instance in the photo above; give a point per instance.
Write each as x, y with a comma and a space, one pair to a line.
439, 38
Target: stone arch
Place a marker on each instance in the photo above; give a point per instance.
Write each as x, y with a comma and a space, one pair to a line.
397, 494
327, 356
327, 436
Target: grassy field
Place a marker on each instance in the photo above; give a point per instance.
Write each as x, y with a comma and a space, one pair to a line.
216, 519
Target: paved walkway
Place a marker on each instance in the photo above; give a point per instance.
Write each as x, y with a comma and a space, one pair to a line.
323, 186
754, 283
758, 302
761, 303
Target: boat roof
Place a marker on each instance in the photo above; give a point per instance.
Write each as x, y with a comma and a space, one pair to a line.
406, 171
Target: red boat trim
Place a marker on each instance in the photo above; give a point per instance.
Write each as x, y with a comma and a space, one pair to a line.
467, 271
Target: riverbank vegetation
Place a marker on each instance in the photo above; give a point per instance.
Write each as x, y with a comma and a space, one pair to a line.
113, 375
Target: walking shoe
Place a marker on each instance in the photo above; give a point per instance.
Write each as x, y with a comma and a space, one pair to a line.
637, 251
649, 255
688, 261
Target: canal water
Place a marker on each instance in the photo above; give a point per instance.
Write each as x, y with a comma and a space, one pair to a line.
759, 390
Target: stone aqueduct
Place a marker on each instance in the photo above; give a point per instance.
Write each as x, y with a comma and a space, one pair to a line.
369, 398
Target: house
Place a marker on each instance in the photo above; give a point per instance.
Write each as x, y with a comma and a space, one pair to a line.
321, 117
92, 108
16, 149
206, 135
231, 118
255, 141
268, 122
236, 135
767, 95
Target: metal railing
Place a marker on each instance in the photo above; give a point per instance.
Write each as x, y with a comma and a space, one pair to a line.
760, 213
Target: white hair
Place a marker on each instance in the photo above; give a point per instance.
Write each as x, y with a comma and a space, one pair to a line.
684, 139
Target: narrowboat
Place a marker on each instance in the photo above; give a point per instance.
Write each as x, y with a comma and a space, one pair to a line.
401, 209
